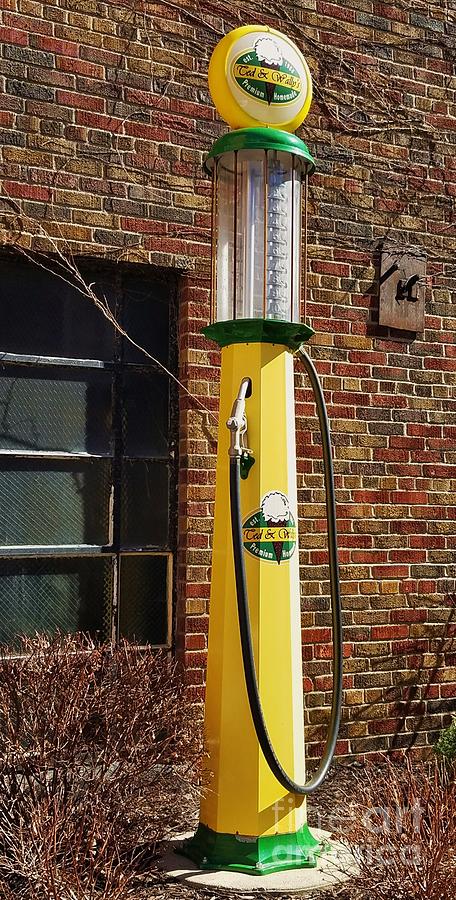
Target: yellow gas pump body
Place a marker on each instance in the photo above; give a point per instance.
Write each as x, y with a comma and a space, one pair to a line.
243, 804
243, 796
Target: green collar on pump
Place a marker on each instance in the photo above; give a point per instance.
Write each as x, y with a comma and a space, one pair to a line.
259, 139
259, 331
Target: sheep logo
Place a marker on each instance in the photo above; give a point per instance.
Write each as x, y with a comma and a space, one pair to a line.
270, 533
264, 72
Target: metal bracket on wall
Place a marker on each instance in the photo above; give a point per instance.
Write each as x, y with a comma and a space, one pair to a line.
402, 288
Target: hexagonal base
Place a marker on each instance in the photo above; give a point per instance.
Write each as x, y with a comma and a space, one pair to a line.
253, 855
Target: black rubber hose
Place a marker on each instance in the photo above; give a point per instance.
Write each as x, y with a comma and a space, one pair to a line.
244, 617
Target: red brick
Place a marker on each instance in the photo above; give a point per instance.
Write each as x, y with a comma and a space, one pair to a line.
13, 36
194, 659
186, 108
79, 67
407, 556
198, 624
81, 101
26, 23
148, 132
409, 615
96, 120
6, 119
445, 365
430, 541
389, 11
444, 123
335, 11
427, 586
54, 45
145, 226
316, 635
371, 496
325, 651
195, 642
369, 556
389, 632
334, 40
26, 191
384, 726
330, 268
448, 690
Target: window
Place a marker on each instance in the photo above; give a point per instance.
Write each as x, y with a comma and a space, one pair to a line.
87, 478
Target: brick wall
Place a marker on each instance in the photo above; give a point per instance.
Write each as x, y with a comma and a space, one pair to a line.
104, 121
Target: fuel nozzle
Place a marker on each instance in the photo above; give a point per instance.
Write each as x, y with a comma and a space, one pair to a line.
237, 422
237, 425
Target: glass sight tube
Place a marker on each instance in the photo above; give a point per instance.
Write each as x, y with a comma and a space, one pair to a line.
278, 237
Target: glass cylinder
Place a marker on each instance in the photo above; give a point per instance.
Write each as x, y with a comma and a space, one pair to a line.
257, 206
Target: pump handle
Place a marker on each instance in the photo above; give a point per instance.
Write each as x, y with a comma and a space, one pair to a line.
237, 422
243, 604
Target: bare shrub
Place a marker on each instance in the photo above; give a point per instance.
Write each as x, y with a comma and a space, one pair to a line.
400, 825
96, 743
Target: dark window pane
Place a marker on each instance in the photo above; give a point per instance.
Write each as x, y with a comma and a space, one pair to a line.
144, 504
42, 315
52, 502
47, 595
43, 409
145, 415
144, 599
63, 409
146, 318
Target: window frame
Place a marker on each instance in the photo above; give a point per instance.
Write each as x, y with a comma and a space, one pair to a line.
118, 367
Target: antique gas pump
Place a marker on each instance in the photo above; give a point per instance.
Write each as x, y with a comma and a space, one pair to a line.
253, 815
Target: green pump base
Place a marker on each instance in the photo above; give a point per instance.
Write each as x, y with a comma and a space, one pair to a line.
255, 856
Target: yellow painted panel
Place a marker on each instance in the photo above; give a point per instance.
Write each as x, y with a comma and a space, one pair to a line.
243, 796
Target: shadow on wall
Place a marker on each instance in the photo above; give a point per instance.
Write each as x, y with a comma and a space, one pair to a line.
421, 703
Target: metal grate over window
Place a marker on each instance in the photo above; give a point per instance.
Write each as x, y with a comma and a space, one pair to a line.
46, 594
144, 613
87, 479
51, 502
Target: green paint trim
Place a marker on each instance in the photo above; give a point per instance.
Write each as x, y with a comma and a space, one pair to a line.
259, 139
256, 856
259, 331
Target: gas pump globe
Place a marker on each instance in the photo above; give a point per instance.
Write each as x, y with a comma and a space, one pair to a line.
253, 815
259, 178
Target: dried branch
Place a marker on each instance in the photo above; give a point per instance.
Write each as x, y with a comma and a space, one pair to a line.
98, 751
61, 264
400, 824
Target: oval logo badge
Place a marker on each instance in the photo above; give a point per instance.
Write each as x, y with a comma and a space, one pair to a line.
270, 533
264, 72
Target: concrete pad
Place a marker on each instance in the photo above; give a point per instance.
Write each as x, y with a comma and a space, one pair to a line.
334, 867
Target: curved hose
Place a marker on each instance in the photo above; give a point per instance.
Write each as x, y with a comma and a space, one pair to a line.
243, 608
